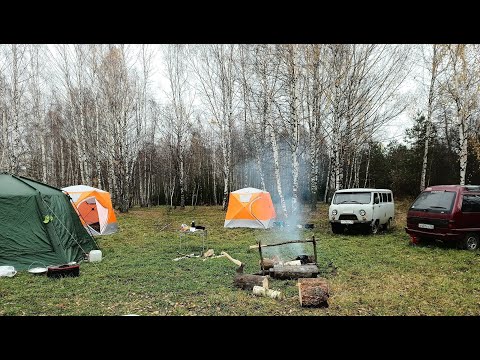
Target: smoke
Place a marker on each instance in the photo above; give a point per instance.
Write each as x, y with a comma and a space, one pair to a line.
247, 174
284, 231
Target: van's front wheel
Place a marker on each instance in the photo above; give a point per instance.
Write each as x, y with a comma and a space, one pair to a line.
374, 228
338, 229
471, 242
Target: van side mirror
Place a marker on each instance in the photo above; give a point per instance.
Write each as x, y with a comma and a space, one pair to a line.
376, 201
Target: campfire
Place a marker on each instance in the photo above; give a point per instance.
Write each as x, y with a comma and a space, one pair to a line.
312, 291
303, 266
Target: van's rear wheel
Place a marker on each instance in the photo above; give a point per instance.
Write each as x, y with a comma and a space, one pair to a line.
338, 228
471, 242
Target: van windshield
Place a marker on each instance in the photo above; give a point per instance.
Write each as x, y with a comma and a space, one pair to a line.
352, 198
435, 201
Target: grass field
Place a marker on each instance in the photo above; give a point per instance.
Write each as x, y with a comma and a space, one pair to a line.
375, 275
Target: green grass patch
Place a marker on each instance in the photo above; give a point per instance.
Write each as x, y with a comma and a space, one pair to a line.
375, 275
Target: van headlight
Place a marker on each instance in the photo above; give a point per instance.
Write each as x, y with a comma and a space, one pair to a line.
362, 212
334, 212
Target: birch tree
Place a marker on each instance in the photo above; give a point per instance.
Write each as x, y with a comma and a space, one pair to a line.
436, 59
266, 71
181, 106
118, 90
462, 87
14, 121
315, 104
214, 67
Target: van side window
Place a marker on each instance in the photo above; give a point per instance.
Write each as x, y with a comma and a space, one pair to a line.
471, 203
375, 197
389, 197
384, 197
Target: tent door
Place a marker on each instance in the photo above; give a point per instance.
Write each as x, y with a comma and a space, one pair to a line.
91, 212
102, 216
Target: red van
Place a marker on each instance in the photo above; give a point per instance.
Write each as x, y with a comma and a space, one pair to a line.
447, 213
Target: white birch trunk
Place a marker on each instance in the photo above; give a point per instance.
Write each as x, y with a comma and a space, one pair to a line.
5, 153
368, 166
327, 184
429, 116
44, 158
462, 131
182, 181
273, 139
14, 158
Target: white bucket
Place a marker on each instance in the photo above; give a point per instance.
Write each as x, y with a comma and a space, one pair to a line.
95, 256
7, 271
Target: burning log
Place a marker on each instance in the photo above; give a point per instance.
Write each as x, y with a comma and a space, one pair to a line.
267, 263
306, 259
293, 263
247, 282
313, 292
294, 271
261, 291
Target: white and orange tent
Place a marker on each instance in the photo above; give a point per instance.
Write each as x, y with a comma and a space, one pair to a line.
250, 207
94, 207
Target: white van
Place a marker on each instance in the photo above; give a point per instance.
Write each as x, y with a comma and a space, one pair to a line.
369, 209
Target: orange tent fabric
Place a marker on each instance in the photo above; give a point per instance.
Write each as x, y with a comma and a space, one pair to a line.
94, 207
250, 207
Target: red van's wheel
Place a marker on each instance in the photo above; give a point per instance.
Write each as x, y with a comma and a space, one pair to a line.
471, 242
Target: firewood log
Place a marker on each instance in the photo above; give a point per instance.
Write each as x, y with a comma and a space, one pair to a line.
247, 282
313, 292
294, 271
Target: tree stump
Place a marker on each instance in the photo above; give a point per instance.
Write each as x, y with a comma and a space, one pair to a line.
313, 292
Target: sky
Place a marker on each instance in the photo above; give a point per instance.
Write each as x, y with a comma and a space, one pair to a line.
394, 130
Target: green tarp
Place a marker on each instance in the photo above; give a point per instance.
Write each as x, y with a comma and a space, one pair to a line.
38, 225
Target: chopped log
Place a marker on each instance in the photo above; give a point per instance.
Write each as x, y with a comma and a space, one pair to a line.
214, 257
186, 257
267, 263
247, 282
261, 291
294, 271
313, 292
208, 253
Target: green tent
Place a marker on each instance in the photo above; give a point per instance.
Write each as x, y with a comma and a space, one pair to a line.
38, 225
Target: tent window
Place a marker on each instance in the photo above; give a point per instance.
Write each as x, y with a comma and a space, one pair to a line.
245, 198
75, 197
